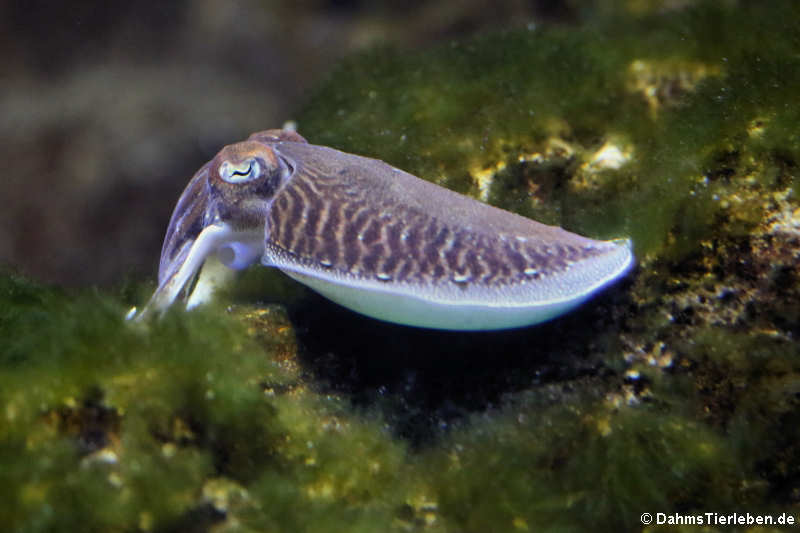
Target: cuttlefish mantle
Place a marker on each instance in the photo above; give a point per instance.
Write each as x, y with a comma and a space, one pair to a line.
377, 240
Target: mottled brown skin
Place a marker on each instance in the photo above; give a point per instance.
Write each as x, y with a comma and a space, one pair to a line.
362, 216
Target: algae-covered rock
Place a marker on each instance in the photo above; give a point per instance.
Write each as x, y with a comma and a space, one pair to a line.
177, 424
680, 131
273, 410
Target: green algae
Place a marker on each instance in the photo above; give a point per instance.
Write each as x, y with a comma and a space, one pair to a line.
676, 392
112, 425
443, 113
198, 422
527, 469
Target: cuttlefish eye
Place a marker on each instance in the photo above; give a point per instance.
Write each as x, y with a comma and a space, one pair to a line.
246, 168
235, 173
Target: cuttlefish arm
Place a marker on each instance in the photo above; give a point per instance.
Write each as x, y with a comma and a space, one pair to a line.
378, 240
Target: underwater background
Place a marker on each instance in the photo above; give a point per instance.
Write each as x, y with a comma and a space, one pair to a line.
675, 123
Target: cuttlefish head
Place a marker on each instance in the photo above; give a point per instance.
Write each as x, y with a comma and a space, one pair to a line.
221, 212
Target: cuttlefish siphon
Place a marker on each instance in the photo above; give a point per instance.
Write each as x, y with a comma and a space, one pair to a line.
377, 240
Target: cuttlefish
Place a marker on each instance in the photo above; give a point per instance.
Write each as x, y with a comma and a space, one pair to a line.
377, 240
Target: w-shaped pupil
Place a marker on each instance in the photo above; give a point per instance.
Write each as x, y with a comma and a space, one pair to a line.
244, 172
